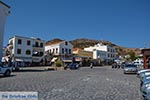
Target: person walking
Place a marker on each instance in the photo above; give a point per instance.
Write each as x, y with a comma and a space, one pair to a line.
9, 62
91, 65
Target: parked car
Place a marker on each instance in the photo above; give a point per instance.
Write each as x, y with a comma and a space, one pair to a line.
5, 70
144, 75
147, 97
145, 90
140, 72
145, 79
73, 65
130, 68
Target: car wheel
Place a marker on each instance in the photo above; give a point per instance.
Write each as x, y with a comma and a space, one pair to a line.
7, 73
124, 72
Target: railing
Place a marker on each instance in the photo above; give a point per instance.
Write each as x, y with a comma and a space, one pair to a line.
37, 46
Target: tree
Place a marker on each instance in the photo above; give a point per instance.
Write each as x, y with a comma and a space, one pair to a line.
132, 55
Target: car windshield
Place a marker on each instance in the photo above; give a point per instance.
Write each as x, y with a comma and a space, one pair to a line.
130, 66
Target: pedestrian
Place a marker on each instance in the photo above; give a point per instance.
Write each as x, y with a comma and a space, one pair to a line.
91, 65
9, 62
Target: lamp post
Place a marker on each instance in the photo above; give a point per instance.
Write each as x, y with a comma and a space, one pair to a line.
64, 57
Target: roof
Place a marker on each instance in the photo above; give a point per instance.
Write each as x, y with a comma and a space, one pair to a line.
4, 4
75, 49
145, 50
33, 38
52, 42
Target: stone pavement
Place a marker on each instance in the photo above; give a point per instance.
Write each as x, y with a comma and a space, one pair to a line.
99, 83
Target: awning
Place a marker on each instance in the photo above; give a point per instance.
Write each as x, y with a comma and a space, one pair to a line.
24, 59
21, 60
67, 60
54, 59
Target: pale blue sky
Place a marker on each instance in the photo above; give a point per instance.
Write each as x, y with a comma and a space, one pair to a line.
123, 22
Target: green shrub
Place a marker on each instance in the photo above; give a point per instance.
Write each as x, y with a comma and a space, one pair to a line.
58, 63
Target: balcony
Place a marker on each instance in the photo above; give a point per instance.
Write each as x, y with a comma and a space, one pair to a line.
37, 46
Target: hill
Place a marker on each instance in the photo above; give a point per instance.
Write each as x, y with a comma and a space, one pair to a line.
83, 43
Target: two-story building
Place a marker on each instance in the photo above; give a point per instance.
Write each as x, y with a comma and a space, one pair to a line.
60, 50
103, 52
4, 11
26, 50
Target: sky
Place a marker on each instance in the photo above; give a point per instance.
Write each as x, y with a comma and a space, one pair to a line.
122, 22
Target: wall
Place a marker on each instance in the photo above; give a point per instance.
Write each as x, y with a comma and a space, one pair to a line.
4, 11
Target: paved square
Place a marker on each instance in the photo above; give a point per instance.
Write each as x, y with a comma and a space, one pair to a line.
99, 83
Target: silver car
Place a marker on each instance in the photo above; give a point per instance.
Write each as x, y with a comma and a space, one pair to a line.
142, 72
145, 90
144, 75
130, 68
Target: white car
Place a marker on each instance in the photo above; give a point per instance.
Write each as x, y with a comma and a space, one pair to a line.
6, 71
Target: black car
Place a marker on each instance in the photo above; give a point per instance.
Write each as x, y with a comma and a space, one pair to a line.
73, 65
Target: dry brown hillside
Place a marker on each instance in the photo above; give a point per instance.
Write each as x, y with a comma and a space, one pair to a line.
83, 42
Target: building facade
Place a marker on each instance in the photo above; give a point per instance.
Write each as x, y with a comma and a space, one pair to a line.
27, 50
98, 54
60, 50
4, 11
103, 52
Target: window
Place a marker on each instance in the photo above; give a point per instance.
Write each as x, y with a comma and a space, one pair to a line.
69, 51
36, 44
18, 51
66, 43
19, 41
56, 50
108, 49
53, 50
62, 50
28, 52
41, 44
28, 42
108, 55
66, 51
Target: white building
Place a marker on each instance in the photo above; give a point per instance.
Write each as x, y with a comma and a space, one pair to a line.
61, 49
102, 51
4, 11
98, 54
24, 49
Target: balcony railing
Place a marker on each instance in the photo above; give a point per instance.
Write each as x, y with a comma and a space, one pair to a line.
37, 46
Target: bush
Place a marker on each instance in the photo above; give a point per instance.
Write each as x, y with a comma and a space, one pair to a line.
58, 64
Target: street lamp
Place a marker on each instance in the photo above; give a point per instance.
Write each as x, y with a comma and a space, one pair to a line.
64, 56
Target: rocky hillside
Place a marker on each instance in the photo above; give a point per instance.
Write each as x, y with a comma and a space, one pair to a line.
83, 42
